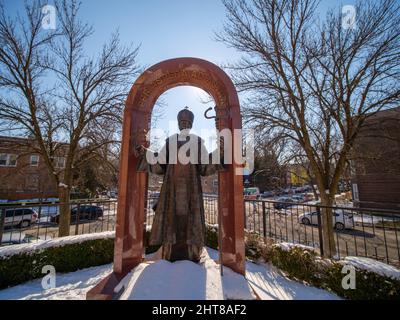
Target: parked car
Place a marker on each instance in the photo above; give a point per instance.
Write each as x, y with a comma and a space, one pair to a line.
308, 197
341, 220
113, 194
298, 198
283, 203
20, 217
267, 194
307, 188
86, 212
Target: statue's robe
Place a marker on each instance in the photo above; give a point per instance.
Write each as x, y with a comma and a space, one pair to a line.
179, 222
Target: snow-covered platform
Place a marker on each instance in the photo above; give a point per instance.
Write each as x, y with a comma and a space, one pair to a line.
184, 280
181, 280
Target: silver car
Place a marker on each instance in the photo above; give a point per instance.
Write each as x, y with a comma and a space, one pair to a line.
20, 217
341, 220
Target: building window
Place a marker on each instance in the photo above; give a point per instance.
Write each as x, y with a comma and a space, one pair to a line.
8, 160
12, 160
59, 162
3, 159
34, 160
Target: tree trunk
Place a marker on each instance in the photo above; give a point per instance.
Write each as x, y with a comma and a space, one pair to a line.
316, 196
65, 211
327, 225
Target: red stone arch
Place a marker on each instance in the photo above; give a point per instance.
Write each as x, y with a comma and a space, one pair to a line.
129, 248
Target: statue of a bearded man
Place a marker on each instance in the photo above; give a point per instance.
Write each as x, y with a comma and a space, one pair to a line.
179, 222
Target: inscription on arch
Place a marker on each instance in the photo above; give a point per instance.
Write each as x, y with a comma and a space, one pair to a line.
189, 76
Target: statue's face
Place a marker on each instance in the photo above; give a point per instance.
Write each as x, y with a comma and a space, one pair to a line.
184, 124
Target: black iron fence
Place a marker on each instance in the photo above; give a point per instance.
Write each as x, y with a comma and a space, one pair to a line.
32, 222
364, 232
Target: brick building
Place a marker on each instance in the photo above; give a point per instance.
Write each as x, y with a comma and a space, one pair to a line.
23, 173
376, 162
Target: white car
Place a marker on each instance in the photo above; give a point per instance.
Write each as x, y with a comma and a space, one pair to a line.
20, 217
341, 220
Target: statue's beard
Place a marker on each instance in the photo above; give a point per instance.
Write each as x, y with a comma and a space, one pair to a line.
184, 131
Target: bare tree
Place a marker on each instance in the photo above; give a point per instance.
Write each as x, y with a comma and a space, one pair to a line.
53, 90
269, 169
315, 82
98, 172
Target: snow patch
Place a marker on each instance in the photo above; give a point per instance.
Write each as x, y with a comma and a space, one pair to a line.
269, 284
69, 286
286, 246
373, 266
183, 280
57, 242
213, 226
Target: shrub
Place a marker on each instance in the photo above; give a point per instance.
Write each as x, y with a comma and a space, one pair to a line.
256, 247
211, 237
305, 265
369, 285
302, 264
298, 263
22, 267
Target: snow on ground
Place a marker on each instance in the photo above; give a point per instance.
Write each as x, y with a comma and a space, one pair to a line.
185, 280
31, 247
162, 280
69, 286
270, 285
286, 246
373, 266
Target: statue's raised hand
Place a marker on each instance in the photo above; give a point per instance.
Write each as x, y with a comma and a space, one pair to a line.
140, 150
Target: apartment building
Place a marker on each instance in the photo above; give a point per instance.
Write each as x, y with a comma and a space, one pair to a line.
23, 172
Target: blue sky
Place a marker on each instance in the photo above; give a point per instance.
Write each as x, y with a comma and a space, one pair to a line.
165, 29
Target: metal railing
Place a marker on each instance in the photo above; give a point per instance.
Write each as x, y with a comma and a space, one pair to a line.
31, 222
363, 232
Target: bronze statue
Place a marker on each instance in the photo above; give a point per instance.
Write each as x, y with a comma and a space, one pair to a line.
179, 222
